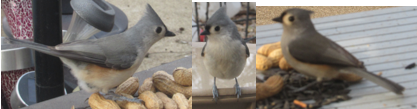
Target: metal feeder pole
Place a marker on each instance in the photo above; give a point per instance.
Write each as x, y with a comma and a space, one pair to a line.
47, 30
207, 10
247, 21
196, 17
207, 14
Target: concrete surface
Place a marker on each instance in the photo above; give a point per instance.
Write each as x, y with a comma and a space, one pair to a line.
265, 14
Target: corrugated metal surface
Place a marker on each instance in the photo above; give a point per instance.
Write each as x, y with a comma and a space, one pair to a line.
386, 40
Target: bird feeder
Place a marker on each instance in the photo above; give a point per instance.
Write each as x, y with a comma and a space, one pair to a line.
89, 17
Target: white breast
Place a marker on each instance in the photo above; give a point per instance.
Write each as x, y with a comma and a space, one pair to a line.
225, 59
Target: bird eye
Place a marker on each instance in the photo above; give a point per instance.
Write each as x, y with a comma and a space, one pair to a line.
291, 18
158, 30
217, 28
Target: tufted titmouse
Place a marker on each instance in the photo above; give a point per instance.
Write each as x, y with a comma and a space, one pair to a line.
232, 9
225, 52
104, 63
313, 54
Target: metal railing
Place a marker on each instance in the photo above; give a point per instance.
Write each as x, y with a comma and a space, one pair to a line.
221, 4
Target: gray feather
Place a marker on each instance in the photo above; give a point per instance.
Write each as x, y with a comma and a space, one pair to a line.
121, 50
152, 16
320, 50
82, 56
220, 18
305, 44
394, 87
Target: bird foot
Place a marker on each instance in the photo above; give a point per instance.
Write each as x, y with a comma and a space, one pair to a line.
238, 91
215, 93
121, 97
304, 87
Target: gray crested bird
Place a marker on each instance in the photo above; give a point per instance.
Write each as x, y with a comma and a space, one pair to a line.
104, 63
224, 54
313, 54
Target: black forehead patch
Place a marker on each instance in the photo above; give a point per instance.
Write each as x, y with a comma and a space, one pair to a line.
283, 14
207, 27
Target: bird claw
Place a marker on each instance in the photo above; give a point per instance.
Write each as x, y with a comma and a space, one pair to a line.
215, 93
305, 87
123, 97
238, 91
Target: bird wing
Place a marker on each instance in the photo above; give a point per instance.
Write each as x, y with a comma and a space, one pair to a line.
115, 53
321, 50
81, 56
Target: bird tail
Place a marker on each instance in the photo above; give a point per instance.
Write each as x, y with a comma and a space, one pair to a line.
50, 50
387, 84
32, 45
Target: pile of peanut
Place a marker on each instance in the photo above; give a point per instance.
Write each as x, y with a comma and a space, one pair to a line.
161, 91
273, 85
270, 55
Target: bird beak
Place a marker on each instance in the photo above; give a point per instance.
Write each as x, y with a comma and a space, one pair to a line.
278, 19
205, 32
169, 34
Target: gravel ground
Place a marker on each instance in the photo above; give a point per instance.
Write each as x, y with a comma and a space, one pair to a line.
264, 14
